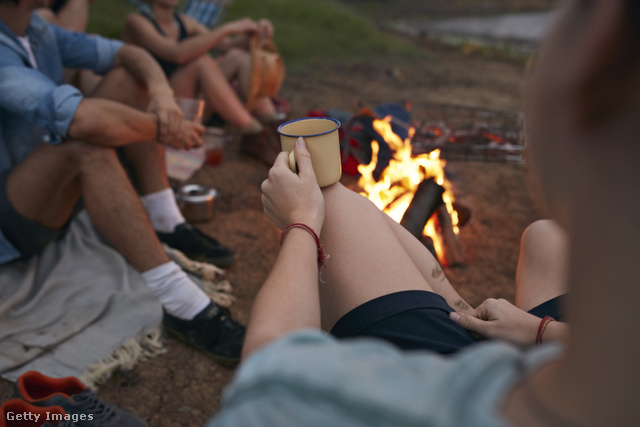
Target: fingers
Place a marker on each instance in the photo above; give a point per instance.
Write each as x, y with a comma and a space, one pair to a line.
469, 322
303, 159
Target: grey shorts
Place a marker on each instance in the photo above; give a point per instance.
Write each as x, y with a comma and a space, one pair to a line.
28, 237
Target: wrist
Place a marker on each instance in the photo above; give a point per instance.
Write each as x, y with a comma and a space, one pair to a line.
158, 127
544, 323
322, 257
160, 90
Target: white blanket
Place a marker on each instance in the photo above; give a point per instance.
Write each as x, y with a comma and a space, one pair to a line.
71, 307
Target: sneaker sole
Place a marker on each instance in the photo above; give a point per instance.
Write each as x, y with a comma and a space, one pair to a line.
225, 362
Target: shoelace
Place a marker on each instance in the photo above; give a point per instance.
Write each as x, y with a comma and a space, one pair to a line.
88, 402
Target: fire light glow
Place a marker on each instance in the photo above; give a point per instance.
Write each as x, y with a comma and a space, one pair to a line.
397, 185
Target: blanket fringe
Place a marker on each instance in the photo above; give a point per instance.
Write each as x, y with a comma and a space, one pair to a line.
150, 344
125, 357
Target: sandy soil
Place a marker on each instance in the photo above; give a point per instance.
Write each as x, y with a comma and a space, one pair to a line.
183, 387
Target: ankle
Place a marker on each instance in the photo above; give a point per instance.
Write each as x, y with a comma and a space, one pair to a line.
178, 294
254, 126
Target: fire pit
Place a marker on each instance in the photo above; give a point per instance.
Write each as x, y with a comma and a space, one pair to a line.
414, 191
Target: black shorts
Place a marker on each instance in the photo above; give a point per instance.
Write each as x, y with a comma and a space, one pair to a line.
417, 320
28, 237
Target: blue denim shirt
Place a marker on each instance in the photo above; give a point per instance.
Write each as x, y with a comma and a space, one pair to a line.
309, 378
35, 105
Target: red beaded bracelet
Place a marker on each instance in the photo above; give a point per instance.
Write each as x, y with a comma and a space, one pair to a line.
322, 257
543, 325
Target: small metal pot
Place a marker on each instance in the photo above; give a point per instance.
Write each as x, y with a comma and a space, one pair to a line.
196, 202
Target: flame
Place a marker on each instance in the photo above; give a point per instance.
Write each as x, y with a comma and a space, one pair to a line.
394, 190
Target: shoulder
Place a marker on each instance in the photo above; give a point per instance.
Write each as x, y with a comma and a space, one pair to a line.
191, 25
135, 23
135, 19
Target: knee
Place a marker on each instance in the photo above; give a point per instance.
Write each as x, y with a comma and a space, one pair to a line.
205, 64
237, 57
90, 157
540, 231
543, 241
121, 86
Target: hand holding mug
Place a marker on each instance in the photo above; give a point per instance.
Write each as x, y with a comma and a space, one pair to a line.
289, 197
321, 138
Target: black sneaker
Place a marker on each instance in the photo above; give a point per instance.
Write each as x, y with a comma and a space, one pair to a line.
197, 245
212, 331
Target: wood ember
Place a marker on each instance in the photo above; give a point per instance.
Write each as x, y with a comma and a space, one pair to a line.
426, 200
453, 250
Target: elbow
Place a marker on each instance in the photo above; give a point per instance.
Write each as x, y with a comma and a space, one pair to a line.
86, 125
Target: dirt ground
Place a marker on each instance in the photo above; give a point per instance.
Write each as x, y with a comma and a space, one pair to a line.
183, 387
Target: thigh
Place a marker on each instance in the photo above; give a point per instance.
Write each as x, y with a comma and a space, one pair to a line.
45, 186
367, 260
185, 80
120, 86
27, 236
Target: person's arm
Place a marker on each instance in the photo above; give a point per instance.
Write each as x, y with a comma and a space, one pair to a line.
146, 70
289, 298
140, 31
499, 319
240, 41
108, 123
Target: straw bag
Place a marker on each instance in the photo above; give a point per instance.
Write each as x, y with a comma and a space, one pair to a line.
267, 70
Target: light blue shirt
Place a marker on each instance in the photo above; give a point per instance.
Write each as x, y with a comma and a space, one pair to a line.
35, 105
309, 379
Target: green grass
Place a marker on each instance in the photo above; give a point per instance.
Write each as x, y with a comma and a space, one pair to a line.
307, 32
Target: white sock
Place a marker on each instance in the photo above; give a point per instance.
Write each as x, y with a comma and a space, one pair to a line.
163, 210
179, 296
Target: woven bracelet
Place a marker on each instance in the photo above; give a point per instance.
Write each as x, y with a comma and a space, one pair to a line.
321, 255
543, 325
158, 128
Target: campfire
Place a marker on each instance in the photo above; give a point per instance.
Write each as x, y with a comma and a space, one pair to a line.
414, 191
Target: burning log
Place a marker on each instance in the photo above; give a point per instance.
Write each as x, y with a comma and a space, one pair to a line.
426, 200
453, 251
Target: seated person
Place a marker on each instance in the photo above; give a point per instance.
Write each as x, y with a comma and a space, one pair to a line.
58, 147
381, 294
72, 15
182, 45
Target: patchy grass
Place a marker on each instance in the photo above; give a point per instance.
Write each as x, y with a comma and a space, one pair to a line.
307, 32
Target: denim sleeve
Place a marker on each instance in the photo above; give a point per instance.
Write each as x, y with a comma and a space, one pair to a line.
81, 50
36, 99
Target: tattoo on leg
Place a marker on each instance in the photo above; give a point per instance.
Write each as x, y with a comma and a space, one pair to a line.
461, 305
437, 272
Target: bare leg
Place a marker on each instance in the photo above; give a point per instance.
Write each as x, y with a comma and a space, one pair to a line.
542, 267
429, 267
74, 169
236, 66
147, 158
370, 256
204, 74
